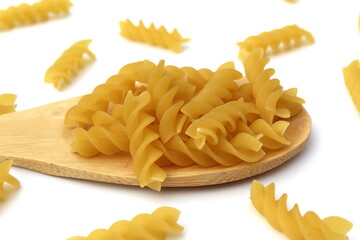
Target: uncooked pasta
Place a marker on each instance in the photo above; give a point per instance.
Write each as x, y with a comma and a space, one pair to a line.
290, 222
152, 35
352, 81
163, 115
68, 64
282, 38
7, 103
5, 177
26, 14
154, 226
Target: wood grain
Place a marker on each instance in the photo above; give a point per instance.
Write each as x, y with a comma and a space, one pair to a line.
36, 139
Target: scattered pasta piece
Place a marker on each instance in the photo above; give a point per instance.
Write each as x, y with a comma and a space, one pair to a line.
286, 37
7, 103
164, 115
154, 226
68, 64
152, 35
5, 177
291, 222
26, 14
352, 81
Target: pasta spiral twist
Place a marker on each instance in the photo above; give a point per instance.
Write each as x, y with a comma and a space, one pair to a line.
5, 177
143, 141
111, 92
68, 64
291, 222
352, 81
218, 122
169, 90
30, 14
215, 92
154, 226
267, 93
7, 103
108, 140
157, 37
286, 37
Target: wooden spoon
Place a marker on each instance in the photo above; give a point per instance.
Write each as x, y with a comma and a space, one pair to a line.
37, 139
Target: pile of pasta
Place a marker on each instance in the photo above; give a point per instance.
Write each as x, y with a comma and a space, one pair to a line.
7, 103
6, 177
166, 115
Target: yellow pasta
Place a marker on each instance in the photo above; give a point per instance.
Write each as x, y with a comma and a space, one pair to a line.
7, 103
219, 122
164, 115
26, 14
68, 64
294, 225
5, 177
352, 81
154, 226
268, 93
152, 35
143, 141
285, 37
217, 90
111, 92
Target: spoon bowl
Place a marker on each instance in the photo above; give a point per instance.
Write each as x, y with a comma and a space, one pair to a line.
37, 139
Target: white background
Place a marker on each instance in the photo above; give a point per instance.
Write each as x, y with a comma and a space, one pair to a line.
324, 177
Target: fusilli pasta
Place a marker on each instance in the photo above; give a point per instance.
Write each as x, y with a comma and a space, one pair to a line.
294, 225
152, 35
285, 37
111, 92
352, 81
68, 64
29, 14
154, 226
166, 115
270, 99
7, 103
219, 121
143, 141
5, 177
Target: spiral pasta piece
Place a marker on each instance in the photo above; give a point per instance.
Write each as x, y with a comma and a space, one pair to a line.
152, 35
352, 81
68, 64
26, 14
286, 37
290, 222
154, 226
218, 122
267, 92
169, 90
7, 103
218, 90
111, 92
107, 140
143, 141
5, 177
